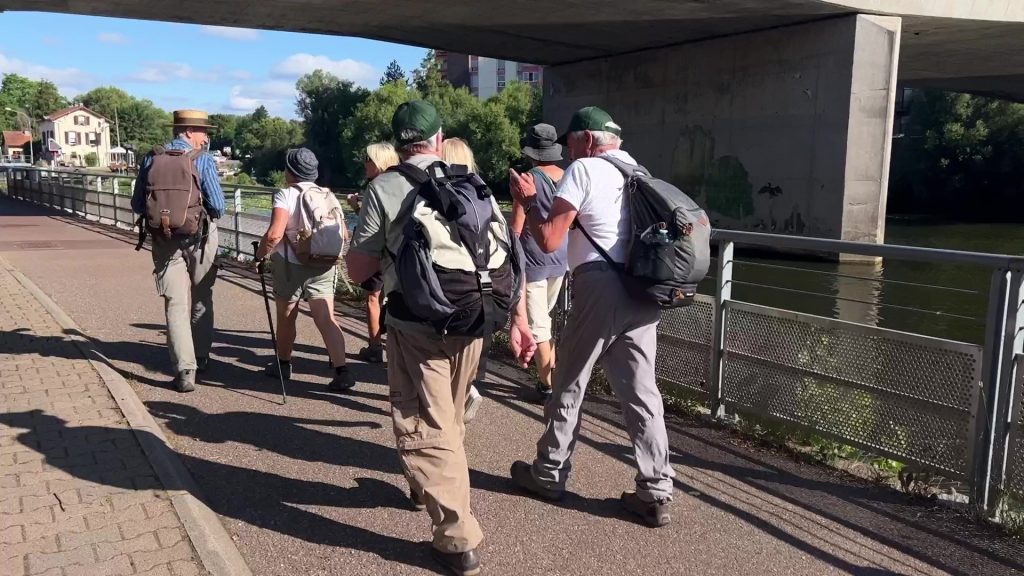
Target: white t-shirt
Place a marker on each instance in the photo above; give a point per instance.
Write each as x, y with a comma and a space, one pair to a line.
594, 187
288, 198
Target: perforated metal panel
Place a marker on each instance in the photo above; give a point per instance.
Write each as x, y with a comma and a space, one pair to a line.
906, 396
684, 344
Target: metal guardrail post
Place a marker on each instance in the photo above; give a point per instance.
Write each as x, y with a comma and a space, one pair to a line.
1003, 341
237, 219
723, 293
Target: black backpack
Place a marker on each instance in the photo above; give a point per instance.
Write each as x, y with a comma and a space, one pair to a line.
459, 266
670, 243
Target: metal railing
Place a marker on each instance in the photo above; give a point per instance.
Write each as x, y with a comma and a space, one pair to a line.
106, 197
950, 406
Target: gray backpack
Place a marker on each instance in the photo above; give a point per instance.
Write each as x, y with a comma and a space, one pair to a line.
670, 244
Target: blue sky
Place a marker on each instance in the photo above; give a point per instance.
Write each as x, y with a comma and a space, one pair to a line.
217, 69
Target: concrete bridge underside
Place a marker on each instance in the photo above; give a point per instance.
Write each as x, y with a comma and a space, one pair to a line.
777, 115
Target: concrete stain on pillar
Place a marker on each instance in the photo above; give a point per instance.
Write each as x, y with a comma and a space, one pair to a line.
721, 184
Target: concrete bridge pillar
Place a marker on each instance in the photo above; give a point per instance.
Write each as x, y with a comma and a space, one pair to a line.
785, 130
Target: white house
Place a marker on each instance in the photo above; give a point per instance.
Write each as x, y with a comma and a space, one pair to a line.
69, 135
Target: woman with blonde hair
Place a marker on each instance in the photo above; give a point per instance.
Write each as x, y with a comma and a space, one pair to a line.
378, 157
457, 151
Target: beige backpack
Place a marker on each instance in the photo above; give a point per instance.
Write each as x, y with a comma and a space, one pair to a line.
320, 240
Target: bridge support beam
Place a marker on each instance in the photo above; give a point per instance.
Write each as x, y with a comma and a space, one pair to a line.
785, 130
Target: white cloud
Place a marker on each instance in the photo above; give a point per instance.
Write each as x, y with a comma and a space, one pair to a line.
298, 64
240, 75
238, 34
159, 72
112, 38
70, 81
277, 96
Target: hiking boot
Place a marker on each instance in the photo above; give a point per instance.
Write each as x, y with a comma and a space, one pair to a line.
286, 369
185, 381
522, 476
473, 402
202, 364
372, 354
459, 563
417, 501
654, 514
543, 393
342, 380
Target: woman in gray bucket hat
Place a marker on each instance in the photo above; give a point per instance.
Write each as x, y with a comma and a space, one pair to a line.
544, 272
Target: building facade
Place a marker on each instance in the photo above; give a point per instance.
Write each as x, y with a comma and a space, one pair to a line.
486, 77
71, 134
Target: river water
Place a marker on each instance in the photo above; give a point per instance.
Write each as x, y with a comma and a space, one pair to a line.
944, 301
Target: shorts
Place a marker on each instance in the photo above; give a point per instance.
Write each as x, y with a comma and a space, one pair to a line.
294, 282
541, 297
375, 283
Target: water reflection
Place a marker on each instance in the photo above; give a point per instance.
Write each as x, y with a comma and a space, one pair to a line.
943, 301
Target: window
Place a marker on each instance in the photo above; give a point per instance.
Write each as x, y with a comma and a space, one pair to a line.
529, 76
91, 138
71, 138
501, 85
81, 120
474, 63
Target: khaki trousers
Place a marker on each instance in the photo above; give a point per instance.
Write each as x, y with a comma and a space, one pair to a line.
429, 378
185, 272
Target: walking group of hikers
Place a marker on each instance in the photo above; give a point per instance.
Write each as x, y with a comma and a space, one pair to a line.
432, 241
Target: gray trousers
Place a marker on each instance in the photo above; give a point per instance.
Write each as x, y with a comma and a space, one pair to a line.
185, 273
606, 325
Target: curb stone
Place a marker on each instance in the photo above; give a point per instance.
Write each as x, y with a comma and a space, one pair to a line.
213, 544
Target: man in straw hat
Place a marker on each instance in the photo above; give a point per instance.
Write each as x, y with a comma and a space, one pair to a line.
184, 230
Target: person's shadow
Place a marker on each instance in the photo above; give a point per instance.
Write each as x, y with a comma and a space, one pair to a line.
262, 499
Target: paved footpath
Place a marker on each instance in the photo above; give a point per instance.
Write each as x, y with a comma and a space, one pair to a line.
77, 494
314, 486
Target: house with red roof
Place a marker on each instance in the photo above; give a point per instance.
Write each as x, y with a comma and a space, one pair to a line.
15, 145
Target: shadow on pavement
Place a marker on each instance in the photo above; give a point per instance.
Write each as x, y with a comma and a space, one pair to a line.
262, 499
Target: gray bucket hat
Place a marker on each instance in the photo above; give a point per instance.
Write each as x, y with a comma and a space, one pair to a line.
539, 143
302, 163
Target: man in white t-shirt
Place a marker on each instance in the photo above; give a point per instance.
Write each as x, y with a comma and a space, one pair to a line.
605, 324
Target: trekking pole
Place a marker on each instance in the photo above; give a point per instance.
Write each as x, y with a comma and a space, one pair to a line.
270, 321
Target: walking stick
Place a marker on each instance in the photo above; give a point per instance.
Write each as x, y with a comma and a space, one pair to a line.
270, 321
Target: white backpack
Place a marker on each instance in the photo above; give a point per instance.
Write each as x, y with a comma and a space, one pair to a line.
320, 240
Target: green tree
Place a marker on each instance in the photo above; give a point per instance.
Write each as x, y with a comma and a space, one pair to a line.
522, 104
91, 159
394, 73
226, 132
326, 105
105, 100
46, 100
16, 92
371, 122
264, 140
143, 126
428, 75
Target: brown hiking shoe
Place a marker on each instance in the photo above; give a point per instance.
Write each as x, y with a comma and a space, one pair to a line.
654, 514
522, 476
459, 563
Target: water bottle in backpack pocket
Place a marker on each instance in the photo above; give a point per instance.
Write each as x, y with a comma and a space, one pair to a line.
653, 254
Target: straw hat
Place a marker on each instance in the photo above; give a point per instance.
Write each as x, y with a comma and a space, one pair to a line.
193, 118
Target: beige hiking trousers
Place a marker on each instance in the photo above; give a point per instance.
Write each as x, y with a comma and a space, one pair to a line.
185, 272
429, 378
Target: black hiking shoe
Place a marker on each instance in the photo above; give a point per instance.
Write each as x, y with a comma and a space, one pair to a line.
372, 354
522, 476
202, 364
286, 369
185, 381
654, 514
543, 393
342, 380
459, 563
417, 501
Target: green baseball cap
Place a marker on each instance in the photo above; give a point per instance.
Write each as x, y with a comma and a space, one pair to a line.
590, 118
415, 121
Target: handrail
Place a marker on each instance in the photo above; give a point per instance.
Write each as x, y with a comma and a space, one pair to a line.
911, 253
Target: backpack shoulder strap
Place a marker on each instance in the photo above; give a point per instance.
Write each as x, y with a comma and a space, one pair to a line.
412, 173
537, 172
194, 153
628, 170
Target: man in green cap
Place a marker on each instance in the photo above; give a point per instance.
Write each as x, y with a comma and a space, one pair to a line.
605, 323
428, 375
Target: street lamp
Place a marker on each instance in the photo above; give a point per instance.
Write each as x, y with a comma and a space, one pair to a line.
19, 113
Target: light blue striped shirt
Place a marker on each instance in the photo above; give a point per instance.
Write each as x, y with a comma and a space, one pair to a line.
209, 181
